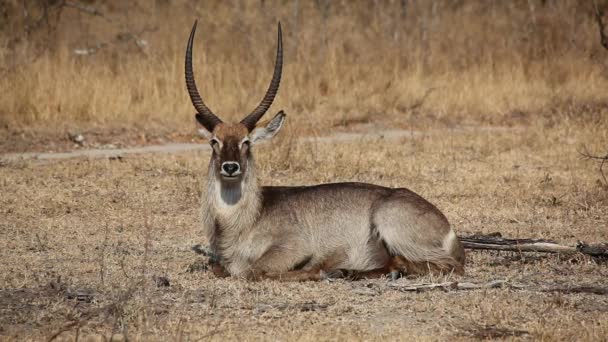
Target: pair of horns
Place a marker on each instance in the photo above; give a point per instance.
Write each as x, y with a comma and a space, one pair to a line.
205, 116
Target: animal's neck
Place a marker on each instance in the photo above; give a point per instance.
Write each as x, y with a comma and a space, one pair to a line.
235, 206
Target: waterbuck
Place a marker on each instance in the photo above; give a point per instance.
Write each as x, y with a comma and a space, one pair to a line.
299, 233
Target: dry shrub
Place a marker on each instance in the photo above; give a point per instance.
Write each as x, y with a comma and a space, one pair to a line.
346, 61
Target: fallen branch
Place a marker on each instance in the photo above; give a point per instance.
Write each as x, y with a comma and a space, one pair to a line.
450, 285
498, 243
577, 289
455, 285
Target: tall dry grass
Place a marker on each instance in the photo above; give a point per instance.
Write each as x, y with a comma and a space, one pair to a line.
345, 61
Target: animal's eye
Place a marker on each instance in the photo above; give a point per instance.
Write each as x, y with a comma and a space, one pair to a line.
245, 144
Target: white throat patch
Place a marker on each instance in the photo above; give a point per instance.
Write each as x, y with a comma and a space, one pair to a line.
234, 204
230, 194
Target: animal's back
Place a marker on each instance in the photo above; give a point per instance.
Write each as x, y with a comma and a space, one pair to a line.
327, 223
353, 226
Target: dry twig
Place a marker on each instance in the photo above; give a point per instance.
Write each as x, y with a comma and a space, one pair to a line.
498, 243
421, 100
450, 285
603, 159
455, 285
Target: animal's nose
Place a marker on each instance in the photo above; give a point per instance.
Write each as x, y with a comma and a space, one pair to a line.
230, 167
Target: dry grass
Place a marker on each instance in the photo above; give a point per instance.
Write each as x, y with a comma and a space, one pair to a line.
345, 62
111, 226
83, 240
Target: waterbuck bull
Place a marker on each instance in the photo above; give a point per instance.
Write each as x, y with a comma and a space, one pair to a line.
300, 233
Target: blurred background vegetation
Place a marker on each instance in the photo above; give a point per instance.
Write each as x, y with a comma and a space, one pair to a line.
405, 63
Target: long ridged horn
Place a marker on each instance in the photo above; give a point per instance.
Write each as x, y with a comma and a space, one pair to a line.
205, 116
250, 120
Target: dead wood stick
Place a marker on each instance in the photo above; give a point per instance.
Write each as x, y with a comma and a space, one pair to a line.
497, 243
448, 285
577, 289
455, 285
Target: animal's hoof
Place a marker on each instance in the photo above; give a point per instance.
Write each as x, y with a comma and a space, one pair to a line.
219, 271
337, 274
394, 275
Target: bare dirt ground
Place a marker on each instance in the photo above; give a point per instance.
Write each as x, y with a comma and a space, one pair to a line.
101, 248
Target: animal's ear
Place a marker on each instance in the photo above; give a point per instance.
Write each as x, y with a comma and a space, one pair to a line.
202, 130
268, 130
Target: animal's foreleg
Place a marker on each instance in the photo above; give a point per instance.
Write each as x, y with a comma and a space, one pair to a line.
217, 268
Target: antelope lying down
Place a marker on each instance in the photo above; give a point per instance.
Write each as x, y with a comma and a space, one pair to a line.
352, 230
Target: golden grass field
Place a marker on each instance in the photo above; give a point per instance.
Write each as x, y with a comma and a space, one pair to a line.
110, 226
519, 88
345, 62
